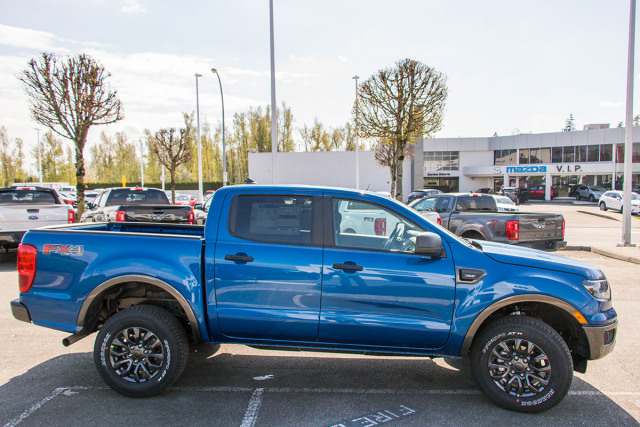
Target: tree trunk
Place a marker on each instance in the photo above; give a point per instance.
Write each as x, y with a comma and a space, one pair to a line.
80, 183
399, 176
172, 172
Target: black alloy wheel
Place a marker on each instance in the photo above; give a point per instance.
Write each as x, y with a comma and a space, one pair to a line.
522, 364
140, 351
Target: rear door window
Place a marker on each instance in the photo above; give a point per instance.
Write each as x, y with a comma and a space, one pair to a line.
272, 218
475, 203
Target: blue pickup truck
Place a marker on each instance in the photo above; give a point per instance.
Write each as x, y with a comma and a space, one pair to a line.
273, 268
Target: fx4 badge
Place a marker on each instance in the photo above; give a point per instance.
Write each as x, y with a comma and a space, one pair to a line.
63, 249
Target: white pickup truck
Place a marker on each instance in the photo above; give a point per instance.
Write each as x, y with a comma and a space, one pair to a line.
26, 208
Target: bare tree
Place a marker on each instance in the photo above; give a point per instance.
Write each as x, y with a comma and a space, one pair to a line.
399, 106
69, 96
172, 150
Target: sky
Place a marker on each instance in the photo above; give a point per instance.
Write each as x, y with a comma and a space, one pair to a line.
511, 67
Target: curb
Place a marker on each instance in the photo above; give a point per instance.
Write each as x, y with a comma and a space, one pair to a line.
599, 215
604, 252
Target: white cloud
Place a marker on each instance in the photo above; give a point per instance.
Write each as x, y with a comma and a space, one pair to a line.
132, 6
29, 39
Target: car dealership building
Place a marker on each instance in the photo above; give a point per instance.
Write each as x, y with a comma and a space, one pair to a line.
593, 156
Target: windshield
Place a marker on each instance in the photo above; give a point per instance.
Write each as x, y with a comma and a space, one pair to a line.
504, 200
635, 196
27, 197
137, 197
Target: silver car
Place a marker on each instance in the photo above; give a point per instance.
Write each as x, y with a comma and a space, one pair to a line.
590, 192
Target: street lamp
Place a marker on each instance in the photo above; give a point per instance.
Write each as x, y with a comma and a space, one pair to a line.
224, 152
356, 77
39, 156
200, 194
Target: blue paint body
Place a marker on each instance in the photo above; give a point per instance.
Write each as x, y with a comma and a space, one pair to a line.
290, 295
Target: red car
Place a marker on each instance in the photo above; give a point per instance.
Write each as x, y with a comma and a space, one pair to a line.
186, 199
537, 192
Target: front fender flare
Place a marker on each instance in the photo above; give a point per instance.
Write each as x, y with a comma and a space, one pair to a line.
479, 320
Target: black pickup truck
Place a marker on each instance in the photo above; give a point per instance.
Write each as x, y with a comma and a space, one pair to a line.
475, 216
136, 204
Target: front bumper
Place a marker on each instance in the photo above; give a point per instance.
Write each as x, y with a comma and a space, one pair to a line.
601, 339
20, 311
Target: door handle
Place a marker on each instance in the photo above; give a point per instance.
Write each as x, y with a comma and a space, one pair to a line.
238, 257
350, 267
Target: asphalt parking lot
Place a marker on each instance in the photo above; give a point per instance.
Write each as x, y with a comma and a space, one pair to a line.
42, 382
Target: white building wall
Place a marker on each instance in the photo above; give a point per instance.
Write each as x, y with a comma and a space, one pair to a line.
474, 158
326, 168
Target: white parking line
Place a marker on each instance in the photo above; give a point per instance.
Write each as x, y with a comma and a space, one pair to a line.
255, 402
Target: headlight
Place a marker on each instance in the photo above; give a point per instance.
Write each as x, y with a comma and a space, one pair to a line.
598, 288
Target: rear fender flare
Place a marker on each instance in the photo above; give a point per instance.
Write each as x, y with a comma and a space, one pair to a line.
100, 289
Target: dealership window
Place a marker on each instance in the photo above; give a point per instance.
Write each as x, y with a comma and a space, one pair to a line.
581, 153
605, 152
441, 161
593, 153
635, 158
505, 157
556, 155
545, 155
534, 155
569, 154
524, 156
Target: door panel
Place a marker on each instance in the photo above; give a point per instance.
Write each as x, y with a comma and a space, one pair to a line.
390, 296
267, 269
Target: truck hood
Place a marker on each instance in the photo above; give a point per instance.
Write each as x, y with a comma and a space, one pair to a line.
516, 255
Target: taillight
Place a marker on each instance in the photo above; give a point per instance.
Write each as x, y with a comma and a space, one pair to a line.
192, 217
120, 216
513, 230
71, 218
562, 227
380, 226
439, 221
26, 266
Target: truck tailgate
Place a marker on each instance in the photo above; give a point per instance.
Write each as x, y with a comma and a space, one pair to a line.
540, 226
25, 217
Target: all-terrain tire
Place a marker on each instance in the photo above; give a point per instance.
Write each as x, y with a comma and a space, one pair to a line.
140, 351
522, 364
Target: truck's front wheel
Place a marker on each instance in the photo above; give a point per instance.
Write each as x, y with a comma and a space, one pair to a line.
522, 364
141, 351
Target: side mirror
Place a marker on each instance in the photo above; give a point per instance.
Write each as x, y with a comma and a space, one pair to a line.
197, 206
91, 206
429, 243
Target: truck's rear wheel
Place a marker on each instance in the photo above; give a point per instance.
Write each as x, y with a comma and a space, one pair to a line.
141, 351
522, 364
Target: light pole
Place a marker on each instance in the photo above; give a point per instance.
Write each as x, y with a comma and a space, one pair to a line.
141, 164
628, 135
356, 77
200, 193
274, 117
39, 156
224, 150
